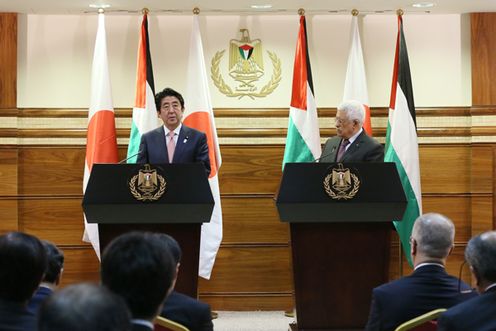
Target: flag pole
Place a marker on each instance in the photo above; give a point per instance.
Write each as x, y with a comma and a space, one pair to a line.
145, 11
355, 12
400, 12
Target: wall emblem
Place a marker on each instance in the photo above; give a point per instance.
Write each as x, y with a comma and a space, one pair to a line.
150, 185
341, 183
246, 68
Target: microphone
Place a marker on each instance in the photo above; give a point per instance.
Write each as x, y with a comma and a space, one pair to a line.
325, 155
127, 158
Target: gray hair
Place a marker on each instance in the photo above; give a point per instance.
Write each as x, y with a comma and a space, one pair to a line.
354, 110
435, 234
481, 255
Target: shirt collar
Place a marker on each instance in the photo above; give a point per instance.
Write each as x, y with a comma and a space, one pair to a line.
142, 322
490, 287
176, 130
353, 137
428, 263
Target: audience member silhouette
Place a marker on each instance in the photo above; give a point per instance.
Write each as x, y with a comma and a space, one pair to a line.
84, 307
193, 314
429, 287
51, 280
478, 313
23, 262
136, 267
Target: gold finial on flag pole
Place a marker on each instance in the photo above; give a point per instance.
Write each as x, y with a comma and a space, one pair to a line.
400, 12
355, 12
145, 11
101, 10
301, 12
196, 11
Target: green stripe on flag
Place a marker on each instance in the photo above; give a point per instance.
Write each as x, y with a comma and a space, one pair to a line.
134, 143
405, 225
296, 149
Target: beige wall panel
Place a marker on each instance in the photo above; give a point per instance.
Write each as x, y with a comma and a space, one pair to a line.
252, 220
8, 172
445, 169
457, 208
250, 302
250, 169
250, 269
58, 220
8, 216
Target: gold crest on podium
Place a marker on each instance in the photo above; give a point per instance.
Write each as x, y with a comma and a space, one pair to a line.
147, 185
341, 183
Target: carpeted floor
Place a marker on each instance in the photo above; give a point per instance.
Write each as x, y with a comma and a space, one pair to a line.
252, 321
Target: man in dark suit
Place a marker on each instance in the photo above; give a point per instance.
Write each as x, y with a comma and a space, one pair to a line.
84, 307
173, 142
351, 144
51, 279
180, 308
429, 287
136, 267
478, 313
22, 264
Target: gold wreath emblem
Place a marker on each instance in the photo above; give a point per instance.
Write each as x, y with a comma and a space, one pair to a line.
266, 89
341, 191
147, 195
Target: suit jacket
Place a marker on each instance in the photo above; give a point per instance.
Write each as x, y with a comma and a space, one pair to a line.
39, 296
476, 314
193, 314
363, 149
427, 288
191, 147
15, 317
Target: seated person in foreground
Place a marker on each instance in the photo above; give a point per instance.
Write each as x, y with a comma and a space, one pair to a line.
480, 312
180, 308
136, 267
51, 279
84, 307
429, 287
22, 264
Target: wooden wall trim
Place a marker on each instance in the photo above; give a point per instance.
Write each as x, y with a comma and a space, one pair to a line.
483, 48
235, 112
8, 60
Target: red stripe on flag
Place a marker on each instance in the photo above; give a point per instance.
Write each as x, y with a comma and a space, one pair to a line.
140, 101
367, 125
200, 120
299, 93
101, 146
394, 84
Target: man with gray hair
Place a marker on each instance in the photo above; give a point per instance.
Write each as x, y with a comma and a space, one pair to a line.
478, 313
351, 144
429, 287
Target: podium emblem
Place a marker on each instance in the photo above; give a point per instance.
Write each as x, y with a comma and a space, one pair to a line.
341, 183
147, 185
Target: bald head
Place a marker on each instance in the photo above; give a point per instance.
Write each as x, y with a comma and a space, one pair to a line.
434, 234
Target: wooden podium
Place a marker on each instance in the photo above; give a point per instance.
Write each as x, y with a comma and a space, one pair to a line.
187, 202
340, 248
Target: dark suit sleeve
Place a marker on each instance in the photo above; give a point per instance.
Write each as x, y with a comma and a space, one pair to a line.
374, 322
443, 323
376, 154
206, 319
143, 151
202, 153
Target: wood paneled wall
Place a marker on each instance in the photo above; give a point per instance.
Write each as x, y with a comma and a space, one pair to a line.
41, 184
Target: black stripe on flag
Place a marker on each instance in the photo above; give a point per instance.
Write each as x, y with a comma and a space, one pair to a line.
309, 67
404, 77
149, 70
